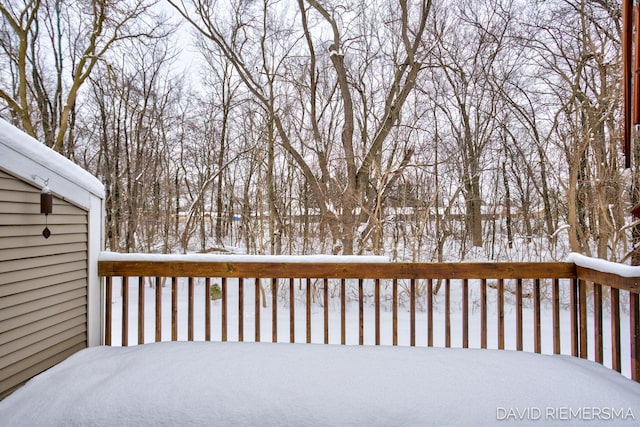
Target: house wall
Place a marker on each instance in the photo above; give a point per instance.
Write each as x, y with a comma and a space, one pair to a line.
44, 283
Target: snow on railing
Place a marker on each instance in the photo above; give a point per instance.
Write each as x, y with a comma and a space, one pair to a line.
234, 258
368, 300
604, 266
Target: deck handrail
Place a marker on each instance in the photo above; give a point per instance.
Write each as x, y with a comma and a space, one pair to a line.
581, 281
337, 270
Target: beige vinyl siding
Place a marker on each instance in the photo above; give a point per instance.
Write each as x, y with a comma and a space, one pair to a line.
43, 283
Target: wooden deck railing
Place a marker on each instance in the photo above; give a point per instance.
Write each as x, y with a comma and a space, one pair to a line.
583, 292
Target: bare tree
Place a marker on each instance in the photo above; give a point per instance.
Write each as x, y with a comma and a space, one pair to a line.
135, 121
472, 59
577, 45
338, 170
53, 49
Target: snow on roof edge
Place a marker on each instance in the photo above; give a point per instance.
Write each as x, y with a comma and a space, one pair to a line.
27, 146
604, 266
113, 256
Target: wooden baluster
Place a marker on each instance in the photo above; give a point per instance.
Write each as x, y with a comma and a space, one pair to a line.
343, 311
465, 313
257, 289
174, 309
556, 316
447, 313
108, 310
190, 309
158, 309
326, 310
361, 311
308, 298
274, 310
125, 311
634, 332
575, 326
394, 310
537, 334
483, 313
582, 295
292, 312
597, 322
141, 310
501, 314
412, 313
240, 310
207, 309
519, 314
430, 312
377, 309
615, 330
223, 309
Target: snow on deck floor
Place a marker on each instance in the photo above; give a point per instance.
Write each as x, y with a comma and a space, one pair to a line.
247, 384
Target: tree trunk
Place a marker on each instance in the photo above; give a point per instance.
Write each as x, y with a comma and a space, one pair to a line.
507, 206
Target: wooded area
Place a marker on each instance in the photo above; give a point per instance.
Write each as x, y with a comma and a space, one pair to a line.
425, 131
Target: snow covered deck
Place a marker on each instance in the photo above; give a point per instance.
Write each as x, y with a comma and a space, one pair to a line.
264, 384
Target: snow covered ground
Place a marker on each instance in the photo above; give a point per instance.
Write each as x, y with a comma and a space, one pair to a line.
250, 384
